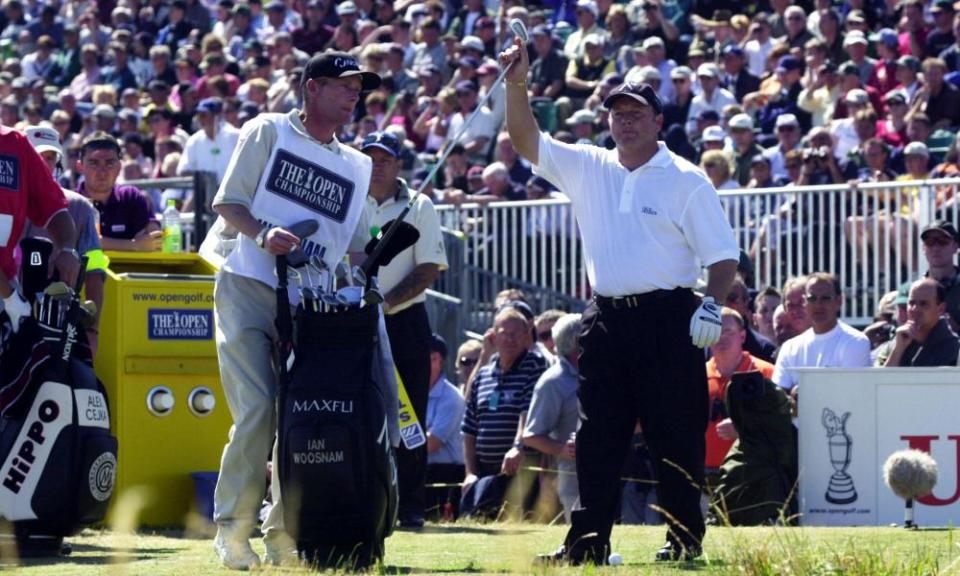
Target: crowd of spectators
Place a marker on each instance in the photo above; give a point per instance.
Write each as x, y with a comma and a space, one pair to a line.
759, 93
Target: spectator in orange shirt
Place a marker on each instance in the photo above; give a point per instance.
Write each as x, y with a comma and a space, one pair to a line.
728, 357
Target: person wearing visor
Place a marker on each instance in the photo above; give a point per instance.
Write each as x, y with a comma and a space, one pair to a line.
286, 168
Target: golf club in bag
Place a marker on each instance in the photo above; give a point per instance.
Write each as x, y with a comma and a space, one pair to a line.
335, 460
58, 455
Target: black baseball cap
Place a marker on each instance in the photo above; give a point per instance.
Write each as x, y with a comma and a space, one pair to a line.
639, 91
941, 226
339, 65
438, 344
384, 141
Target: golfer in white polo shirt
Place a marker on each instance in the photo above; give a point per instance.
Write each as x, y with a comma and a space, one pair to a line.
649, 221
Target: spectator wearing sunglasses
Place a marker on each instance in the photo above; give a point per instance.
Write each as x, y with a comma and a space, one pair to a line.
829, 342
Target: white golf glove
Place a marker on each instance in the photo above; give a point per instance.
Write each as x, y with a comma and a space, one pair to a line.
705, 324
16, 308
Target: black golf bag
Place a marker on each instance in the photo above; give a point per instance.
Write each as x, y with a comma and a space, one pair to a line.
336, 464
58, 455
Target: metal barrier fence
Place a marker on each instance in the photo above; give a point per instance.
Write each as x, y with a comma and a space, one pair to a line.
868, 235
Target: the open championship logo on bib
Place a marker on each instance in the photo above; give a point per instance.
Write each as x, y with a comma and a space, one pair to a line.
179, 324
9, 172
309, 185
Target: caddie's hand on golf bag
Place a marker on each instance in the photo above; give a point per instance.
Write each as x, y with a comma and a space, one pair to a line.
58, 456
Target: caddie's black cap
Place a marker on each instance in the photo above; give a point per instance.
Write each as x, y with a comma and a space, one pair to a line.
338, 65
639, 91
438, 344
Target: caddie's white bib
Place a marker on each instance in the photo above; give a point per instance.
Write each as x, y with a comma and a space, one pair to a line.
304, 180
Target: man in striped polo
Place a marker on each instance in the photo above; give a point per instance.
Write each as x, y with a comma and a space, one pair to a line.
498, 401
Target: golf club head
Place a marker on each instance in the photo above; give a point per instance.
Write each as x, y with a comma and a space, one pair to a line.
329, 299
343, 272
297, 258
59, 291
359, 276
304, 228
342, 299
318, 263
405, 236
372, 296
519, 30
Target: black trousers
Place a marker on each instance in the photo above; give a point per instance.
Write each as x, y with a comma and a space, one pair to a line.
640, 363
409, 333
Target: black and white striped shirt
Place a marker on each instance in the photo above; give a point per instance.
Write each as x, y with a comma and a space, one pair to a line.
496, 401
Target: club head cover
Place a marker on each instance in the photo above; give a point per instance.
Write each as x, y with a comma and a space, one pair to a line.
297, 258
34, 266
405, 237
304, 228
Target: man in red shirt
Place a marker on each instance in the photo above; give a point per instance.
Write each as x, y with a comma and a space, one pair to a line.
28, 192
728, 357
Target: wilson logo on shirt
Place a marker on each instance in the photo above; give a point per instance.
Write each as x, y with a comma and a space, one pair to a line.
648, 211
9, 172
311, 186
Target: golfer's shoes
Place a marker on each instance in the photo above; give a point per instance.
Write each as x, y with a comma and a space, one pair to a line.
235, 553
281, 550
568, 557
673, 553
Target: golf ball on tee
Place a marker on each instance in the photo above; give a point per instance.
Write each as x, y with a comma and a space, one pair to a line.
615, 559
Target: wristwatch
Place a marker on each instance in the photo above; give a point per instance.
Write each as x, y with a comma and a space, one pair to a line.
261, 237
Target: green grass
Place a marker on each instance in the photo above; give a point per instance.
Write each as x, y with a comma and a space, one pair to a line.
508, 548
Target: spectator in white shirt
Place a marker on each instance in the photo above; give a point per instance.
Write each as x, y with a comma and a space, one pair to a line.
210, 148
829, 342
759, 45
711, 97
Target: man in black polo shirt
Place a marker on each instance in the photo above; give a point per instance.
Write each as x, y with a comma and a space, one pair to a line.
926, 338
940, 244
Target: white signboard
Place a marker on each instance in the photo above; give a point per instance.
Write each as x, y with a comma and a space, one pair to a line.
852, 420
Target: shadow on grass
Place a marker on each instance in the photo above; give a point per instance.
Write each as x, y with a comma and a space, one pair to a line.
390, 569
467, 529
99, 555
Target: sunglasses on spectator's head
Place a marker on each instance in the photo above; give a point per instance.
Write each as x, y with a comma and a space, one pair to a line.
465, 361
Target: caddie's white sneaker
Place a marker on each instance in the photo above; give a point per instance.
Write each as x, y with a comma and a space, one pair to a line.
281, 550
235, 553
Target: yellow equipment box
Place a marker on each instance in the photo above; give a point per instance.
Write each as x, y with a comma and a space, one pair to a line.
158, 362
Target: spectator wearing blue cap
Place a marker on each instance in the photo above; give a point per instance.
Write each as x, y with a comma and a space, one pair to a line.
404, 282
736, 77
481, 131
789, 71
884, 77
209, 149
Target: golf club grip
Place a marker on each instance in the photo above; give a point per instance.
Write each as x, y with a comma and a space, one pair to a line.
282, 271
433, 171
81, 275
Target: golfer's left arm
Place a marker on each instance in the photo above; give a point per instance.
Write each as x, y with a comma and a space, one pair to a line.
418, 280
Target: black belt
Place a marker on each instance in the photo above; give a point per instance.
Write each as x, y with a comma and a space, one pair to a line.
637, 300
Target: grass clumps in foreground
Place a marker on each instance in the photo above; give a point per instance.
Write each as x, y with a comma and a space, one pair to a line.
469, 548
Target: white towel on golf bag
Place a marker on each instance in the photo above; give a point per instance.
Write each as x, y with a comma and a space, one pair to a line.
387, 371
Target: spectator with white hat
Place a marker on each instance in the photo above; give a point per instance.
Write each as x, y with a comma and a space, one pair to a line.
714, 138
711, 97
656, 52
586, 72
587, 14
856, 44
843, 131
677, 109
745, 146
581, 124
788, 138
916, 159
